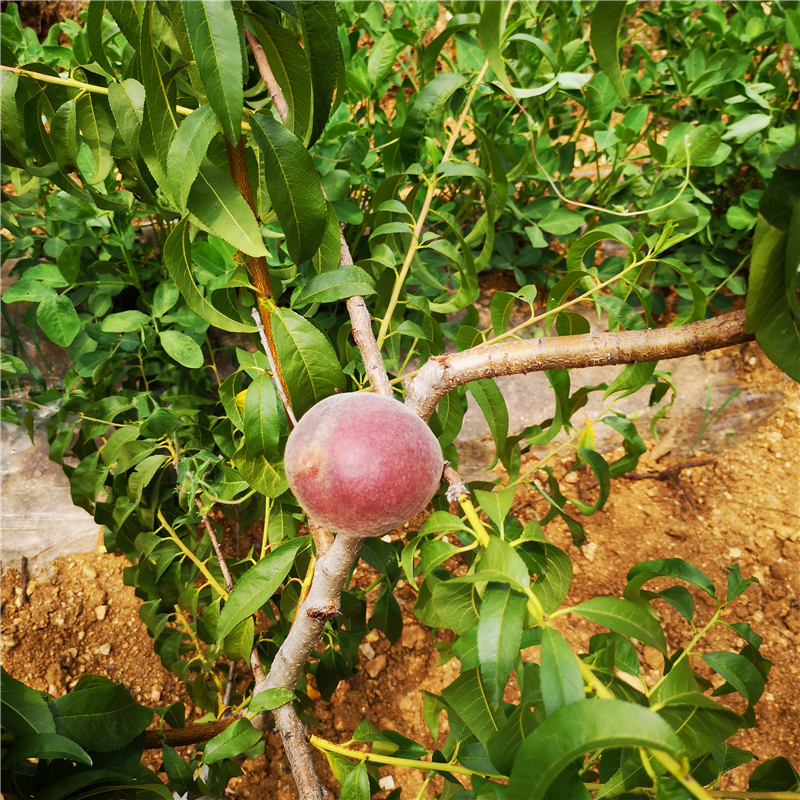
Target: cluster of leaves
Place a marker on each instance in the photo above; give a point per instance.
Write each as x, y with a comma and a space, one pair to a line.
137, 248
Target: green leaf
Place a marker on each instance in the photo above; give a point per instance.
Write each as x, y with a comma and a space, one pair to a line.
356, 784
179, 772
386, 616
740, 674
701, 723
559, 673
430, 102
468, 697
271, 699
160, 115
293, 185
321, 42
239, 642
178, 261
262, 475
667, 567
496, 505
600, 469
214, 37
188, 149
500, 310
499, 635
692, 144
234, 740
561, 222
329, 255
625, 617
217, 207
775, 775
771, 307
743, 129
736, 583
103, 719
381, 59
455, 605
493, 405
310, 366
24, 711
338, 284
95, 122
59, 320
553, 569
46, 745
124, 322
501, 563
605, 24
257, 585
580, 728
262, 424
182, 348
127, 105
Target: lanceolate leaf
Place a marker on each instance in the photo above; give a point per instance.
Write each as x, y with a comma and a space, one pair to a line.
625, 617
430, 102
24, 710
216, 205
262, 475
559, 672
188, 149
178, 261
214, 36
491, 403
262, 425
580, 728
94, 34
499, 634
336, 285
321, 43
102, 718
127, 104
95, 122
308, 360
46, 745
468, 698
605, 24
294, 187
257, 585
160, 94
236, 739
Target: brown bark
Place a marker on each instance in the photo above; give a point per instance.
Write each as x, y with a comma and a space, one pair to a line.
441, 374
191, 734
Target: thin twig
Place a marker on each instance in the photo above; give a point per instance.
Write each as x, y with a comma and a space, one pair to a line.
274, 368
237, 532
223, 565
281, 106
24, 575
668, 473
228, 696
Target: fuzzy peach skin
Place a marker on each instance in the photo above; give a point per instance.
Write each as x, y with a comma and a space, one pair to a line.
362, 464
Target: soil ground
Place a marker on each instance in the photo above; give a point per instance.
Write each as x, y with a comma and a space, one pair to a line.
742, 508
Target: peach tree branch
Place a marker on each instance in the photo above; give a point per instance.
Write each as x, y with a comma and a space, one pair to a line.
443, 373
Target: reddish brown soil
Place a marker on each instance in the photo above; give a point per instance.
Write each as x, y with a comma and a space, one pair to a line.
741, 509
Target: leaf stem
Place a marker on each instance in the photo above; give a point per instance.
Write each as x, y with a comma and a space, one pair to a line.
478, 528
455, 769
412, 249
192, 557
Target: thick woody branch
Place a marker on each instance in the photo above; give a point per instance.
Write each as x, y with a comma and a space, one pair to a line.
321, 605
441, 374
192, 734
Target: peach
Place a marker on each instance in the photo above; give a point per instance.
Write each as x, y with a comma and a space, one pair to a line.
362, 464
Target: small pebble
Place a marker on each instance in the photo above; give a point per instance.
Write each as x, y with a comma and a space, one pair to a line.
104, 649
155, 694
752, 361
589, 551
100, 612
386, 783
89, 573
734, 552
376, 666
367, 650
